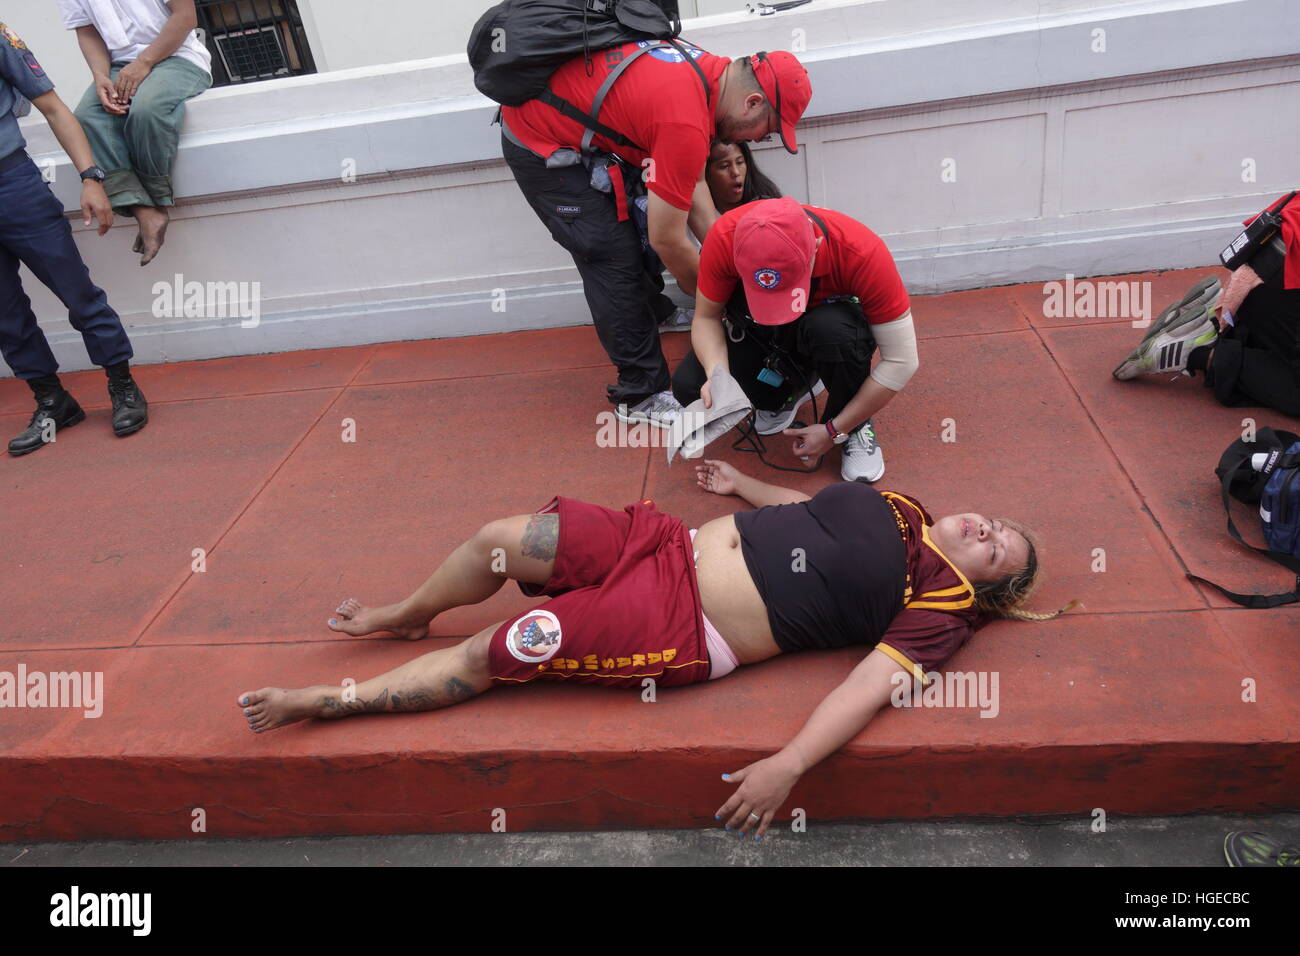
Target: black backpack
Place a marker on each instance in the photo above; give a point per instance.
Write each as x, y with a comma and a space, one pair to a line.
1275, 484
517, 44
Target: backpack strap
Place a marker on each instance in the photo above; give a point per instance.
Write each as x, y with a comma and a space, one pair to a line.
590, 121
1287, 561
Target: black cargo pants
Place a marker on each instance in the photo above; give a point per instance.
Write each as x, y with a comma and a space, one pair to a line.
608, 255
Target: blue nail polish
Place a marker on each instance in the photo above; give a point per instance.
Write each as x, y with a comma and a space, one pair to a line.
726, 776
333, 621
757, 837
727, 828
244, 701
716, 817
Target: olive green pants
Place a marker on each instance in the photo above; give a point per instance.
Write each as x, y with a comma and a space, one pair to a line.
137, 150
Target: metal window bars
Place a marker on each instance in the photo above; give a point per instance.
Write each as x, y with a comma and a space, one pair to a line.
253, 40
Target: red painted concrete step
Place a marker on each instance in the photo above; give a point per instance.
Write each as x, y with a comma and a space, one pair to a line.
1153, 698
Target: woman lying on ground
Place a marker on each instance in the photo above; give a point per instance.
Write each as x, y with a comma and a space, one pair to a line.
635, 595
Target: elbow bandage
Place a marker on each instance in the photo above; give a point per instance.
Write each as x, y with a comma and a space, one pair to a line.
898, 358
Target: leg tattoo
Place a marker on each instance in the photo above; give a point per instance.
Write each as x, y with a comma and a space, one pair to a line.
540, 537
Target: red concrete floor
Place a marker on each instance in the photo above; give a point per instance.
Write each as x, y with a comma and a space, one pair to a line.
1132, 704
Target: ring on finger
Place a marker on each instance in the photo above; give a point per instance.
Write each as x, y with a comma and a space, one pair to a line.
755, 816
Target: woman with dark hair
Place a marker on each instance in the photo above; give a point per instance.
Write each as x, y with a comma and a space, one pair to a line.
635, 595
734, 179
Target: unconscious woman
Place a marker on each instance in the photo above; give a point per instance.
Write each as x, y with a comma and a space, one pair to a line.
636, 595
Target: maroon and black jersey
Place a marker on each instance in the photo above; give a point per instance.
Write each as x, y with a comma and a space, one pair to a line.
853, 566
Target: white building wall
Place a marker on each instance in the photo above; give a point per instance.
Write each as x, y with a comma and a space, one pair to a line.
1067, 160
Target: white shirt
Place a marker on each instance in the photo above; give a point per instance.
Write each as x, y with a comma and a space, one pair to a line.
129, 27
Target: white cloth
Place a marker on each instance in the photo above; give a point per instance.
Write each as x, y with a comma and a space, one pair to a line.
129, 27
696, 426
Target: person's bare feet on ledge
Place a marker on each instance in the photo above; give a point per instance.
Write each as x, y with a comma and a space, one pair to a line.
273, 707
358, 620
153, 232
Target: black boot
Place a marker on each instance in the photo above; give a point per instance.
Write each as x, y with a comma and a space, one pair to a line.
55, 409
130, 410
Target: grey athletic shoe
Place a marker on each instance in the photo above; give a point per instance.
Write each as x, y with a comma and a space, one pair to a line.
679, 321
1204, 295
773, 423
862, 455
1170, 348
659, 410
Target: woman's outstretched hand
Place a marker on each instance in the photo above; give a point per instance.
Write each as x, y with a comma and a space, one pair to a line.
717, 477
764, 787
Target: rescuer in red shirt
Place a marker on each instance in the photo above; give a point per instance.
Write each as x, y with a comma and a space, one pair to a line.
667, 107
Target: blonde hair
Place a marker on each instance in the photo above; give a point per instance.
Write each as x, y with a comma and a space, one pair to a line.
1006, 596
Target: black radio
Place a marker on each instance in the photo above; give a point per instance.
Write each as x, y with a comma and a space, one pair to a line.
1255, 236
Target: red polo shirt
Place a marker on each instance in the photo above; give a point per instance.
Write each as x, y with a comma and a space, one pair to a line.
852, 261
658, 103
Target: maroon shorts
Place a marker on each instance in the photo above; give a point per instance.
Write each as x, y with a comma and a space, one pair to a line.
625, 604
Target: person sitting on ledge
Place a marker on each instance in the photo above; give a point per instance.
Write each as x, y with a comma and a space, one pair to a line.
635, 595
146, 60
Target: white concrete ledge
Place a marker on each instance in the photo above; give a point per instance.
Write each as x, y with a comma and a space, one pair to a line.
1066, 160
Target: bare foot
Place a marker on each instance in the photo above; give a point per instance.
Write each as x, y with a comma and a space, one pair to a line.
357, 620
153, 231
138, 246
273, 707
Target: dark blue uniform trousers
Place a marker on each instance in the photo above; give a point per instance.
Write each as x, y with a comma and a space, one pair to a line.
34, 232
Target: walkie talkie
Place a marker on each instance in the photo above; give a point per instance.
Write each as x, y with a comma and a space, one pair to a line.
1255, 236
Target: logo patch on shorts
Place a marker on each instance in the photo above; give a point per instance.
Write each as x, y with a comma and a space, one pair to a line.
534, 638
569, 210
767, 278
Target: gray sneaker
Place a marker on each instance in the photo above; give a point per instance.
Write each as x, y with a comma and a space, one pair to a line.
1204, 295
679, 321
862, 455
659, 410
773, 423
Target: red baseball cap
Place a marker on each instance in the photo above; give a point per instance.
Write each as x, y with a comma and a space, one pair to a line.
773, 252
785, 83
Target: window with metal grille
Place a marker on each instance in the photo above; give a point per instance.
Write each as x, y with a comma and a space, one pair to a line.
254, 40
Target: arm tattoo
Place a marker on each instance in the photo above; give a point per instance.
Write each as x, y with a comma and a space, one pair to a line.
540, 537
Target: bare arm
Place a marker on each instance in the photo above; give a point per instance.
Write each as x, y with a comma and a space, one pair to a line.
841, 716
668, 238
703, 212
94, 51
183, 20
66, 129
724, 479
760, 494
169, 39
708, 340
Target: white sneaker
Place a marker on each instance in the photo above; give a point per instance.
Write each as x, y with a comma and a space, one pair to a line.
773, 423
862, 455
679, 321
660, 410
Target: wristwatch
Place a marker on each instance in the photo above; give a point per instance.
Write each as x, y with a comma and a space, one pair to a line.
95, 173
837, 436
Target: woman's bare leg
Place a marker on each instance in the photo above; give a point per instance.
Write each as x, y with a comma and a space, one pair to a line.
438, 679
521, 548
